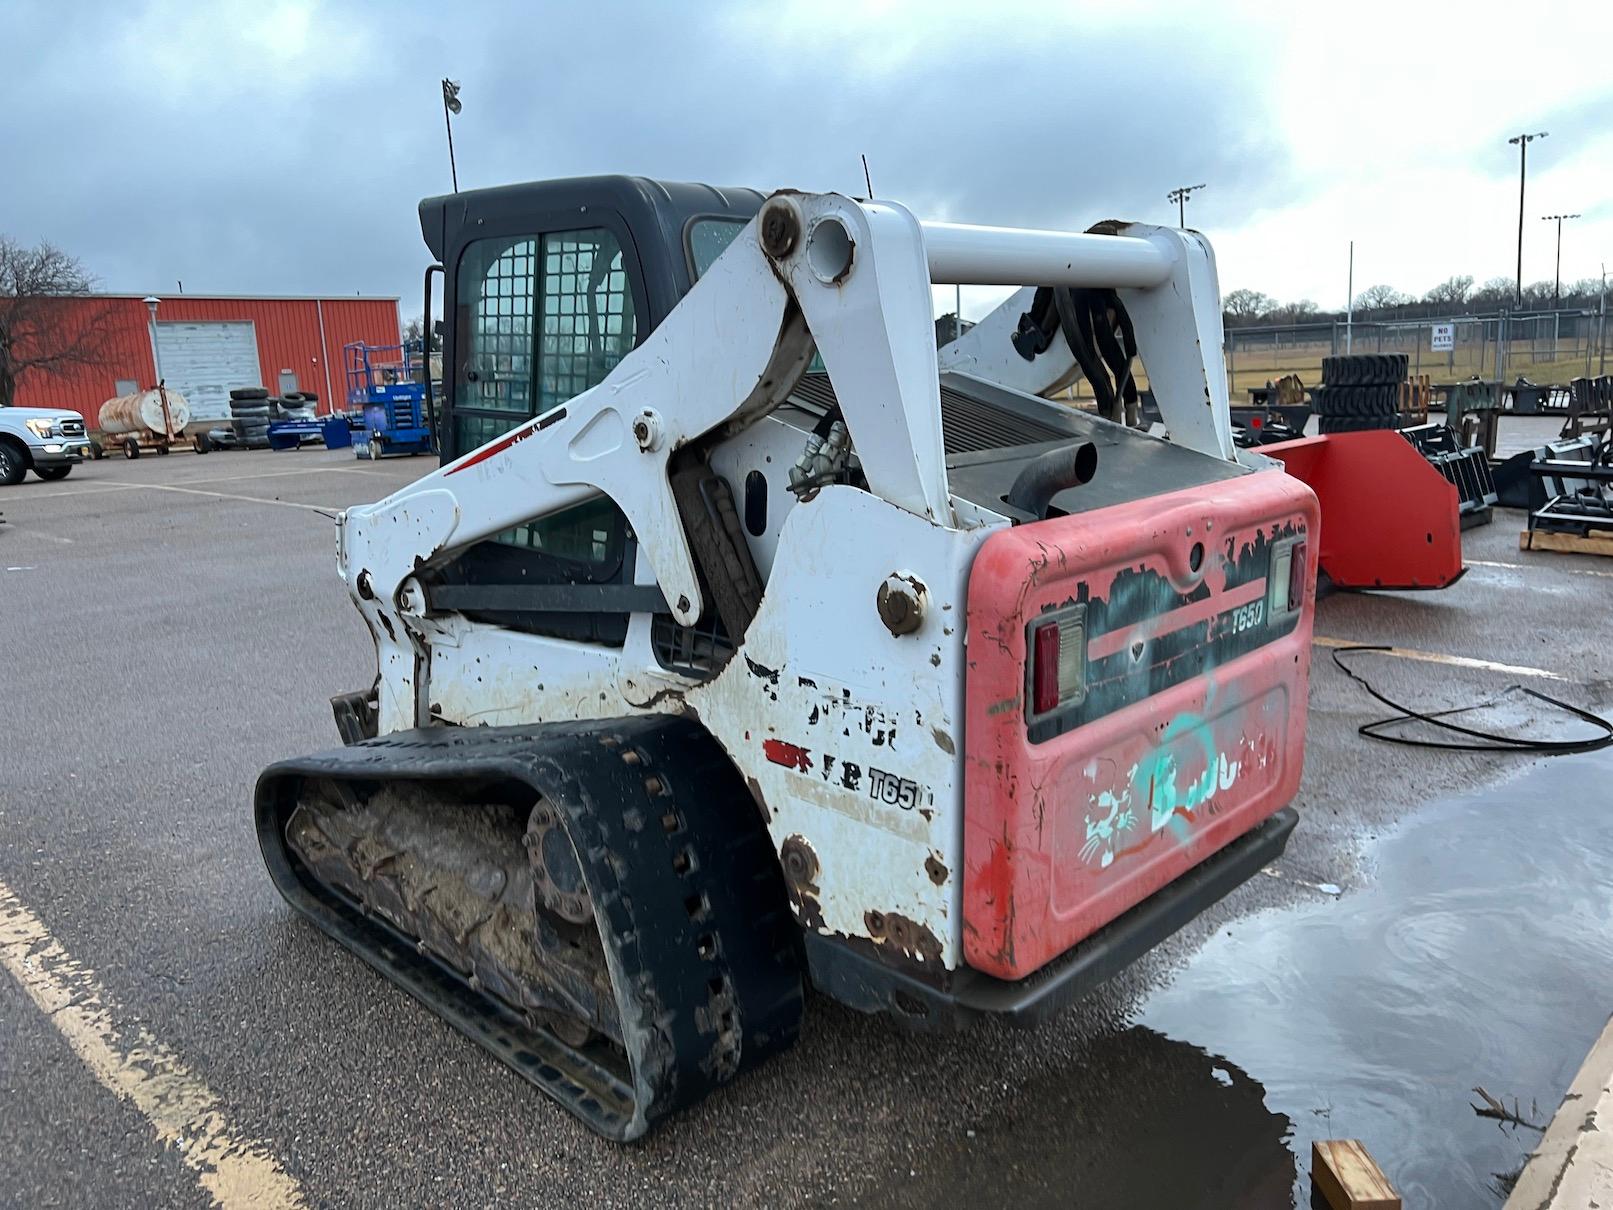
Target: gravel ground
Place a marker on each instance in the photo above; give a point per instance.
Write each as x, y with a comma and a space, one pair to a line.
176, 624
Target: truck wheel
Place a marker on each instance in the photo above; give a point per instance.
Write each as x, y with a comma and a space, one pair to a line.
162, 447
52, 473
201, 443
13, 465
131, 449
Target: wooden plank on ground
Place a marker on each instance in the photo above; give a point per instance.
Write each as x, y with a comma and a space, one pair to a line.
1567, 544
1348, 1178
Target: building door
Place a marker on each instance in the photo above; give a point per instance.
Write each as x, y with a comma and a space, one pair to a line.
205, 361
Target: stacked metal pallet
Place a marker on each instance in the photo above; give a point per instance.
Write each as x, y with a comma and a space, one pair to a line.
1466, 468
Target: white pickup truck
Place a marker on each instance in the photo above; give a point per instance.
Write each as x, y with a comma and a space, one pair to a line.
47, 441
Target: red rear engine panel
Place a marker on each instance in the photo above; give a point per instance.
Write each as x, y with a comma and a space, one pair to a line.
1186, 726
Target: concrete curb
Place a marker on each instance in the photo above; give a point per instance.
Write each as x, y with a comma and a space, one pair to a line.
1573, 1166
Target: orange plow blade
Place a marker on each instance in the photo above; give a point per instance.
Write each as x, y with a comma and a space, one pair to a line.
1389, 519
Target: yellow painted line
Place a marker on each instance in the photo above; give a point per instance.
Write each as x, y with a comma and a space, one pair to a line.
1573, 571
1439, 657
238, 1172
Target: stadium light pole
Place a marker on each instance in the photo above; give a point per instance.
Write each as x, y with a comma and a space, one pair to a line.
1557, 289
1522, 141
1180, 196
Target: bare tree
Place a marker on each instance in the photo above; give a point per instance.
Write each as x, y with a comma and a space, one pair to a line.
44, 332
1452, 292
1538, 294
1497, 292
415, 328
1586, 292
1380, 298
1303, 311
1244, 305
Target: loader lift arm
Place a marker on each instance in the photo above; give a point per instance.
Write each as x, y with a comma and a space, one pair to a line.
733, 349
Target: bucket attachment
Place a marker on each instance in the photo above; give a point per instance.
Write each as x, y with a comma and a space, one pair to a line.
1389, 518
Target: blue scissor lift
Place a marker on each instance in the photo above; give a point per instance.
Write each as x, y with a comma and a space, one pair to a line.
386, 382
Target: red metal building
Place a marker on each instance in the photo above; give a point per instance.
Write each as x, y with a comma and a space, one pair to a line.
209, 345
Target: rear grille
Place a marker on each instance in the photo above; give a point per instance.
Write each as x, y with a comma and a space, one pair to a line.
697, 651
967, 425
72, 428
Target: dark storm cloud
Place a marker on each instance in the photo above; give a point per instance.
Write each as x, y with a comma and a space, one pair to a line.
158, 146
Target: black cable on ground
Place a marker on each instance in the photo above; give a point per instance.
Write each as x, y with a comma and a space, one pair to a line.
1485, 741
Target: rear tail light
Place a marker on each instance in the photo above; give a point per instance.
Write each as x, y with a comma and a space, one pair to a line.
1058, 650
1285, 586
1045, 669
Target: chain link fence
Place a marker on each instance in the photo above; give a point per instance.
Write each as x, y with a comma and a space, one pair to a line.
1548, 348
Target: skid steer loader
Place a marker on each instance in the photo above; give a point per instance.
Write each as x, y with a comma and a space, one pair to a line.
738, 644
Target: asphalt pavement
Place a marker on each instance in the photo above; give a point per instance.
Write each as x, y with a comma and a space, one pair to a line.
170, 626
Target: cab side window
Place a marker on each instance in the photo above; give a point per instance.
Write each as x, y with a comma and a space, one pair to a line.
540, 319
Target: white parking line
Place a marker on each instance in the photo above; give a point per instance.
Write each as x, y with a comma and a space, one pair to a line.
97, 489
306, 470
1573, 571
197, 491
1439, 657
25, 497
237, 1171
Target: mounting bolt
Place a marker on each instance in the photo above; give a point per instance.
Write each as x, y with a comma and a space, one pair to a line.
647, 430
901, 603
779, 229
800, 864
412, 598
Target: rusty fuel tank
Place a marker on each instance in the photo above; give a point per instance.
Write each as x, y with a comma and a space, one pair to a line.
143, 411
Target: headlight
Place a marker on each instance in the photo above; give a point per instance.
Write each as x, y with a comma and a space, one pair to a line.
40, 428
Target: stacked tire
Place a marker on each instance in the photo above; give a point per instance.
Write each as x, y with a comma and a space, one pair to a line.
297, 405
249, 415
1360, 392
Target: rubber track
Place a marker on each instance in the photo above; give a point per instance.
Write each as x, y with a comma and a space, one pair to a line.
703, 953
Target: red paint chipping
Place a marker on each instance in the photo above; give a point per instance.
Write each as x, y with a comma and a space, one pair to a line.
791, 756
1063, 836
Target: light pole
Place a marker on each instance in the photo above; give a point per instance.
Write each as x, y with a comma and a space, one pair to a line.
1522, 141
451, 104
151, 301
1557, 289
1179, 196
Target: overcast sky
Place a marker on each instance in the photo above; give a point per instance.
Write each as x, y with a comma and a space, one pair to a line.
281, 147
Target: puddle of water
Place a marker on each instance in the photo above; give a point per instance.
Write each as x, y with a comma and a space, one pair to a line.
1481, 954
1139, 1121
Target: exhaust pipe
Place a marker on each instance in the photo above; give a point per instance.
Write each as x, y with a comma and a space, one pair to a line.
1046, 475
